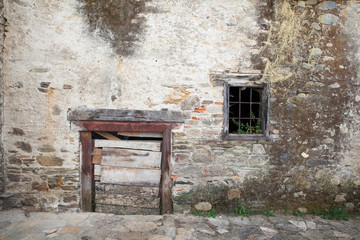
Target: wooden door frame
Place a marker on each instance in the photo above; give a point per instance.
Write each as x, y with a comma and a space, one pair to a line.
87, 169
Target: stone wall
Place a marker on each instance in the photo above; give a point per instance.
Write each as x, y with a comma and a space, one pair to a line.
157, 55
2, 34
310, 160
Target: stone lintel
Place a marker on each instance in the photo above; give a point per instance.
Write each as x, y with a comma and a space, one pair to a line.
126, 115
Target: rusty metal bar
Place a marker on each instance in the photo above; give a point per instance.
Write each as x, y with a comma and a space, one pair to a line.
240, 103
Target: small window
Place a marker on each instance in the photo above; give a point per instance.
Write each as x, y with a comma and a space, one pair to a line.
246, 112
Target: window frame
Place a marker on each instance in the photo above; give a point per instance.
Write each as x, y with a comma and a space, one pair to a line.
265, 102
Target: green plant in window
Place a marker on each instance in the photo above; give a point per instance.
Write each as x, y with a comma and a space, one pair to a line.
245, 128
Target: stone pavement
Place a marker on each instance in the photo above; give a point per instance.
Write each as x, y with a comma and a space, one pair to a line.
86, 226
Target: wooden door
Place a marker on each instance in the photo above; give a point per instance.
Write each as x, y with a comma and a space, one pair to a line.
88, 154
127, 175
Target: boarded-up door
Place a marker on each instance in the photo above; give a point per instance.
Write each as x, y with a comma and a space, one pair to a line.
127, 176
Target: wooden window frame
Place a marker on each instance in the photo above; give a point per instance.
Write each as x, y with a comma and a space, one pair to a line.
264, 114
87, 169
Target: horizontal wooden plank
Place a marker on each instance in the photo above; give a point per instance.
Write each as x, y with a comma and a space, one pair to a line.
108, 135
97, 170
126, 190
141, 134
126, 210
129, 144
121, 200
130, 176
130, 158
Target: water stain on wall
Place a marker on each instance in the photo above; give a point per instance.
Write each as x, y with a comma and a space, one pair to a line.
120, 22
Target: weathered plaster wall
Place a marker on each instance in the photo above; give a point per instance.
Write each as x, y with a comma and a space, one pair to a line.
154, 55
55, 60
51, 64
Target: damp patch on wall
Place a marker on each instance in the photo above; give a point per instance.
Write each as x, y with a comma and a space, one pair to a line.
120, 22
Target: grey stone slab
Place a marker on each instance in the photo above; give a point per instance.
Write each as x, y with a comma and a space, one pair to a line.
218, 222
25, 234
246, 232
13, 214
92, 226
50, 224
4, 224
63, 237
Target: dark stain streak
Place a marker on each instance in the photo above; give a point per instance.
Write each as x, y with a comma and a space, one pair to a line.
119, 22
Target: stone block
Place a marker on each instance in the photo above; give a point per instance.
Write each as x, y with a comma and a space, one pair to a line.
26, 147
203, 206
181, 158
49, 161
14, 160
349, 206
302, 210
357, 170
178, 147
234, 193
340, 198
215, 109
258, 149
14, 177
201, 155
12, 201
30, 201
212, 121
69, 188
327, 5
53, 181
46, 148
45, 84
181, 188
18, 131
39, 186
214, 169
257, 160
188, 170
190, 103
70, 198
240, 150
316, 162
193, 132
311, 2
328, 19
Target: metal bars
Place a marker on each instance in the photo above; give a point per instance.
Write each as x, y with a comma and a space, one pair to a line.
245, 112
